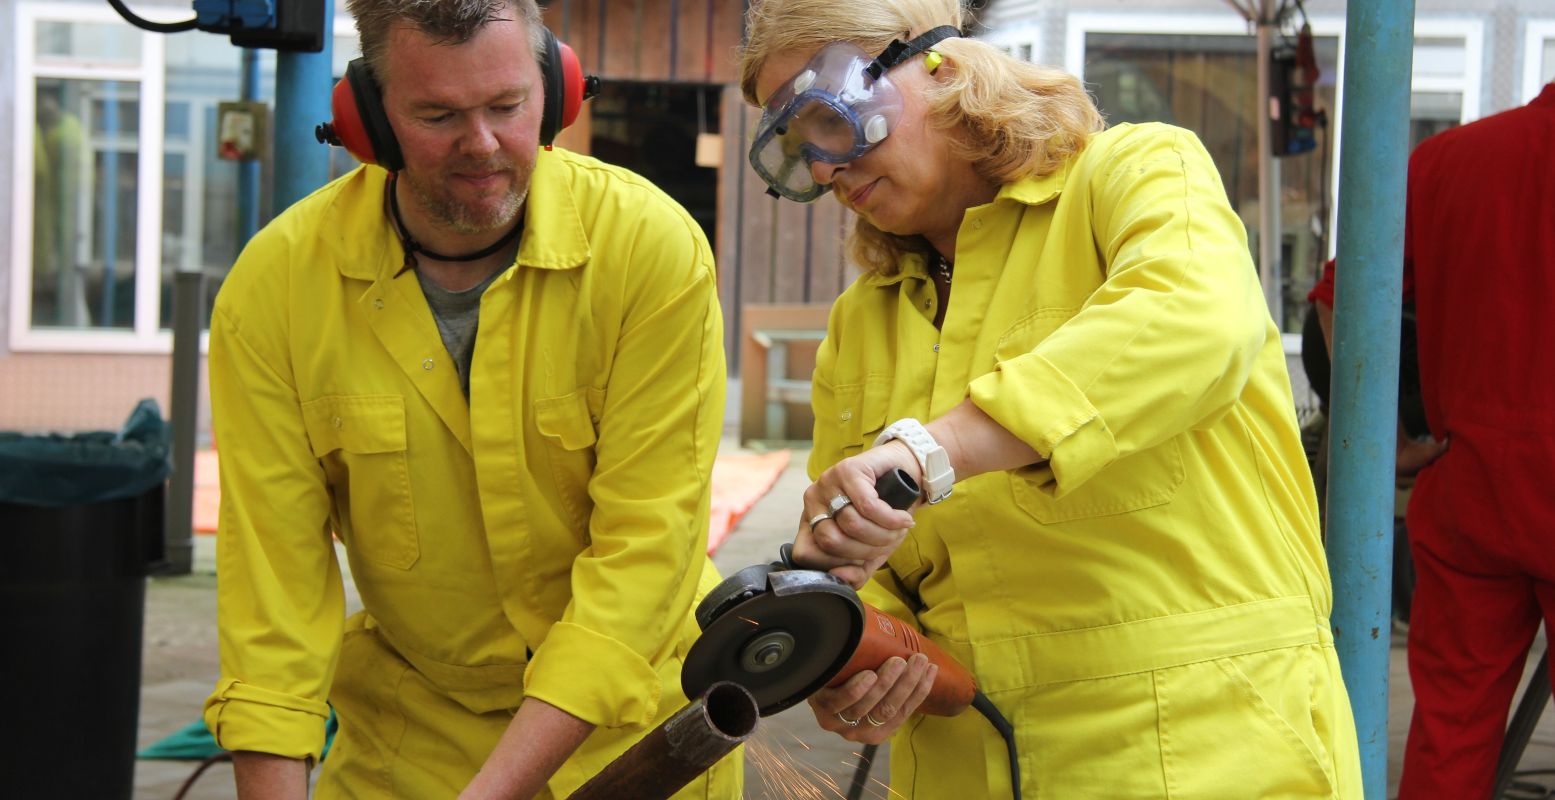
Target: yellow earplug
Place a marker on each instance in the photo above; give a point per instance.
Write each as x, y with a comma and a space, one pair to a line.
932, 61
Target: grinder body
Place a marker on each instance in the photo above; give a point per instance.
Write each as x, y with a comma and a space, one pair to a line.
886, 636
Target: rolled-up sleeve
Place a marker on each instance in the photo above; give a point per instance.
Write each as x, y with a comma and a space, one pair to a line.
1168, 340
280, 596
635, 582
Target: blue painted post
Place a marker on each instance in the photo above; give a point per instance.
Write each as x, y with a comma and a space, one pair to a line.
248, 169
302, 86
1375, 131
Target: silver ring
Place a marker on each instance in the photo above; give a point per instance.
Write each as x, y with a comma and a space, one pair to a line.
838, 503
871, 718
851, 723
818, 518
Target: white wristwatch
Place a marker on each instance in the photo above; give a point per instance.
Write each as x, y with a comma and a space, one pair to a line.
938, 476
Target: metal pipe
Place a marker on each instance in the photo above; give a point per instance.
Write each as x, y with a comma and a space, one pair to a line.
248, 168
1270, 236
188, 322
688, 744
1367, 308
303, 84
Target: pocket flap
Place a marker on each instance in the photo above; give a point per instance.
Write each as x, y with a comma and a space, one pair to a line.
364, 424
861, 408
566, 419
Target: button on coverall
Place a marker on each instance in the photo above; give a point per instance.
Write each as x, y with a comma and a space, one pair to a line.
1150, 607
545, 539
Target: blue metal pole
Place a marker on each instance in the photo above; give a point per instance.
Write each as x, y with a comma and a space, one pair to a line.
303, 84
1375, 131
248, 169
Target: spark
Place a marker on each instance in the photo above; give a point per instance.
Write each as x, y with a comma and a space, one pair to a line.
784, 776
889, 792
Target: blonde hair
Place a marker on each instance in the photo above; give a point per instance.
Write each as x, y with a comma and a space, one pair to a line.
1010, 119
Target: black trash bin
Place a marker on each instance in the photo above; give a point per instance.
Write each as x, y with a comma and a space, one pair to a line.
81, 527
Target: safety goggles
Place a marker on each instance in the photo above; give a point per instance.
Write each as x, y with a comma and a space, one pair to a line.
839, 107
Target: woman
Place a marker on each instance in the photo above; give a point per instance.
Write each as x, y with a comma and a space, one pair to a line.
1129, 562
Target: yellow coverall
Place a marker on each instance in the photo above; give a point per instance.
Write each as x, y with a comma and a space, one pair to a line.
1150, 608
546, 539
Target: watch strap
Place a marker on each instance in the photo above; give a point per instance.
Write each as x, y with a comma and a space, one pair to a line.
938, 476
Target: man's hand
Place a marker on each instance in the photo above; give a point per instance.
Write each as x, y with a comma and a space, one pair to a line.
1414, 455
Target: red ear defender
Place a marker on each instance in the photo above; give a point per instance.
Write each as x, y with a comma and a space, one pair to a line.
566, 87
361, 125
576, 87
346, 128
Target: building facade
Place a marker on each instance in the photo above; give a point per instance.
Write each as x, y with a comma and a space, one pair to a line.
114, 183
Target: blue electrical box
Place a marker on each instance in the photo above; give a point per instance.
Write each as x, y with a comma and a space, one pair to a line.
232, 16
296, 25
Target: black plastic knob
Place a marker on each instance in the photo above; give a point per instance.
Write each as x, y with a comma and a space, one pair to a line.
897, 489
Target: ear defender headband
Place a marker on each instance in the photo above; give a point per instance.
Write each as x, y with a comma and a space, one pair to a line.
837, 108
361, 125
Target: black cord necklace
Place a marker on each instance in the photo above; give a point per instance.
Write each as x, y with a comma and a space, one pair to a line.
412, 247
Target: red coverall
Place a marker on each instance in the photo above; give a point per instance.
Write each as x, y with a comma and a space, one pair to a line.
1480, 248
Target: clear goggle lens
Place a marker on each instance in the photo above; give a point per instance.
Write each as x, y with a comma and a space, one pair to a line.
831, 111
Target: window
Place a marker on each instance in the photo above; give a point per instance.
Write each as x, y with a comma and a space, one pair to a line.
84, 182
1207, 82
199, 193
102, 221
1023, 41
1538, 57
1199, 71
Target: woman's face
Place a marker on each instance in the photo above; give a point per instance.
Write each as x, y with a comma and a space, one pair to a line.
911, 183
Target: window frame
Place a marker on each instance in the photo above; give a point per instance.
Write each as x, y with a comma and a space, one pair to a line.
1014, 36
1538, 33
144, 336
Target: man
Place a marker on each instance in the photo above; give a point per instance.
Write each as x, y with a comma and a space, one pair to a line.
1480, 250
496, 376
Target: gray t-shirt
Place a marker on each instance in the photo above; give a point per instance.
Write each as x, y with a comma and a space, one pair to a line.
458, 314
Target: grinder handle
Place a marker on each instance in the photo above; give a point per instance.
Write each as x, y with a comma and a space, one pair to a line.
885, 636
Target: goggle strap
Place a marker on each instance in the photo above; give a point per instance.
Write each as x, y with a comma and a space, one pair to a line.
899, 51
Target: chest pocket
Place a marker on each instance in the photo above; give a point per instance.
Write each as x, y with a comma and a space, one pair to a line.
567, 423
859, 412
360, 441
1137, 481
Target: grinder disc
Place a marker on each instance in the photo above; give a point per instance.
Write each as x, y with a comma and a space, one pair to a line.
780, 645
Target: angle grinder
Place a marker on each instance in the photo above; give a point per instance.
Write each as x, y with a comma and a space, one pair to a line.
783, 632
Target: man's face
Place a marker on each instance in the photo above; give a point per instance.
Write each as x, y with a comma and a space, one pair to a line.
467, 118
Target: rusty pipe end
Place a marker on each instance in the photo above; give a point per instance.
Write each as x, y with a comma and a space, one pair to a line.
686, 745
731, 710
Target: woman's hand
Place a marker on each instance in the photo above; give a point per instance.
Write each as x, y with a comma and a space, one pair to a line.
871, 705
846, 528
